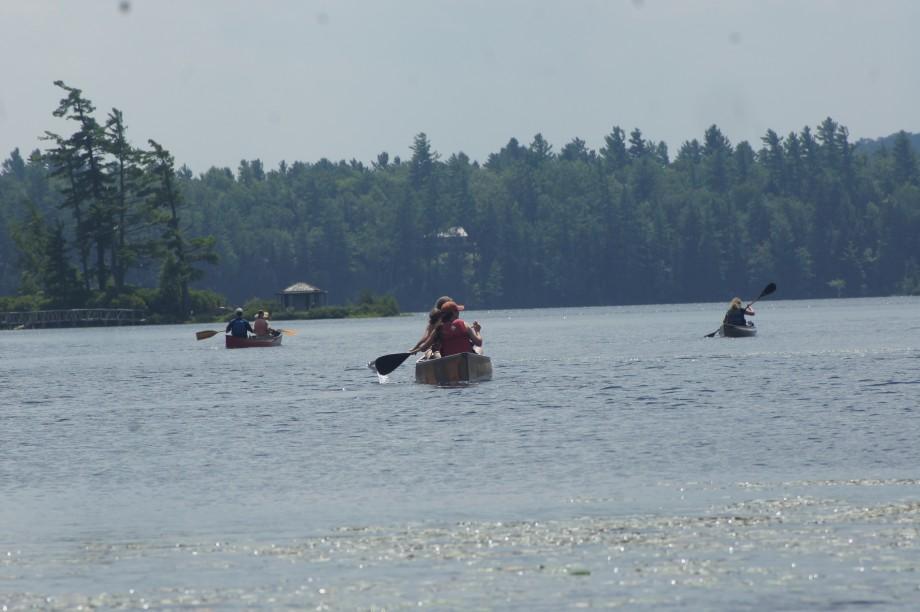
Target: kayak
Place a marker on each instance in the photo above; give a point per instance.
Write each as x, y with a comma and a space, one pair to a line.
253, 341
738, 331
456, 369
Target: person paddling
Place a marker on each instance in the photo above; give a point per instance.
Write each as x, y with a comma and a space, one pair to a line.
434, 319
452, 333
735, 314
238, 326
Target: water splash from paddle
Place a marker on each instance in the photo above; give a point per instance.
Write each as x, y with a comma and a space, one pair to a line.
381, 378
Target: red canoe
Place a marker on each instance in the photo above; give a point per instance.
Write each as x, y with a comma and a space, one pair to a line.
252, 341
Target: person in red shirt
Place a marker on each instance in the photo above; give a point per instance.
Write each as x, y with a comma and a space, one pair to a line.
434, 319
453, 334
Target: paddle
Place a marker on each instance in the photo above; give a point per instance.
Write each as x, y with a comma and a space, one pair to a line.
766, 291
386, 364
203, 335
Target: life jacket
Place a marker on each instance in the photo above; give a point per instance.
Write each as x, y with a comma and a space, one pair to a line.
454, 338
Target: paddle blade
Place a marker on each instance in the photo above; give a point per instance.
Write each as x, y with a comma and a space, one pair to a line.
288, 332
386, 364
768, 290
202, 335
713, 333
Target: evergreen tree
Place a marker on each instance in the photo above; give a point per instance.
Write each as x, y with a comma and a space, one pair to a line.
14, 165
127, 175
637, 146
622, 226
84, 154
64, 164
792, 165
540, 151
773, 160
60, 282
689, 160
577, 150
717, 152
661, 154
422, 162
31, 238
905, 161
614, 150
181, 253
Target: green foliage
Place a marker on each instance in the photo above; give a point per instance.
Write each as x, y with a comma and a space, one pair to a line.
148, 295
22, 303
838, 285
368, 305
127, 297
206, 302
622, 225
123, 208
164, 196
254, 305
375, 305
910, 284
323, 312
59, 278
171, 301
31, 238
127, 300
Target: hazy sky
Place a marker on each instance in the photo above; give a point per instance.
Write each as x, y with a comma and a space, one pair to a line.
217, 81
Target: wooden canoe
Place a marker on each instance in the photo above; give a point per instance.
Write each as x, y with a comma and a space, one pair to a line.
253, 341
737, 331
458, 369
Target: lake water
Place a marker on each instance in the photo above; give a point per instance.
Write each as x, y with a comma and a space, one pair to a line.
618, 458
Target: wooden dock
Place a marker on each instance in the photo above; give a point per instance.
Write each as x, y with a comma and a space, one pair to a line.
77, 317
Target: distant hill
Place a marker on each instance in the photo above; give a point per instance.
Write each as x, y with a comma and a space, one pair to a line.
869, 146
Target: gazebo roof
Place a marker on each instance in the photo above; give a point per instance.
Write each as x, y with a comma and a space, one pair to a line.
302, 288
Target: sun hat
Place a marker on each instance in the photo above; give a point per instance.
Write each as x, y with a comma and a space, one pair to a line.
452, 306
239, 311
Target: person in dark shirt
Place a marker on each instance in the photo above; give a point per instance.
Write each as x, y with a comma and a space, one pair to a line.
736, 312
238, 326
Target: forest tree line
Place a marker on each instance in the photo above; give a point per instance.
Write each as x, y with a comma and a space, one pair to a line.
87, 216
529, 226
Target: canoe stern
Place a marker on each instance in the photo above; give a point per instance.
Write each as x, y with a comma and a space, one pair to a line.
457, 369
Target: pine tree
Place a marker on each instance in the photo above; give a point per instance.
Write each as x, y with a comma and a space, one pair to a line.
614, 150
178, 269
83, 155
127, 175
905, 162
59, 279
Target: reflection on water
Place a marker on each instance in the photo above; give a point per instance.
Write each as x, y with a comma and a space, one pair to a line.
764, 552
616, 459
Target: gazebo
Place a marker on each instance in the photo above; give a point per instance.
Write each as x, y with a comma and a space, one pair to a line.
302, 296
